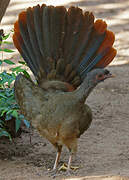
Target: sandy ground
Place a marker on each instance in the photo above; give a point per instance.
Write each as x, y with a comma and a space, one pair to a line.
104, 149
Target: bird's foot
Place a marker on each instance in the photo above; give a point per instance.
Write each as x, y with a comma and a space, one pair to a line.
64, 167
67, 171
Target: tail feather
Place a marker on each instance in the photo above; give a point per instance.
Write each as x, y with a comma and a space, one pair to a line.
23, 52
18, 42
57, 27
46, 26
85, 36
100, 26
62, 44
95, 42
37, 19
93, 63
107, 59
25, 36
74, 33
108, 41
102, 45
38, 27
33, 38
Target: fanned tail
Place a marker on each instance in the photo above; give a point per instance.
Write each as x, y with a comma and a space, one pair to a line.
60, 44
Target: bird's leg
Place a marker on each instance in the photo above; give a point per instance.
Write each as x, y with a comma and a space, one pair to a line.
54, 170
57, 160
69, 162
68, 168
72, 150
72, 146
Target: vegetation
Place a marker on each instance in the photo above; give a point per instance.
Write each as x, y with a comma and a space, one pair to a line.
10, 118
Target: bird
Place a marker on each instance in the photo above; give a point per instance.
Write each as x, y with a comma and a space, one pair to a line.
67, 51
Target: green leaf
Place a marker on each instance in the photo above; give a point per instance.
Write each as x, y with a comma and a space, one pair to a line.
5, 133
1, 95
14, 113
13, 75
8, 112
7, 61
5, 110
7, 50
6, 37
16, 68
1, 62
20, 70
18, 124
7, 42
26, 74
1, 123
22, 62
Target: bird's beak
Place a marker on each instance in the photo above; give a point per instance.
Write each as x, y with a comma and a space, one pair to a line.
112, 76
109, 75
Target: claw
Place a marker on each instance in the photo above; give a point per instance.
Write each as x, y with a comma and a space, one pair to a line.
64, 167
74, 168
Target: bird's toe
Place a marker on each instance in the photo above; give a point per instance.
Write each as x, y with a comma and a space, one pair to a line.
64, 167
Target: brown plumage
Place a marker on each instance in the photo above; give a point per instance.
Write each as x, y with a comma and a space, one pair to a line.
64, 49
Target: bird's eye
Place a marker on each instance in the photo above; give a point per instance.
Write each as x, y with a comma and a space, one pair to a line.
100, 75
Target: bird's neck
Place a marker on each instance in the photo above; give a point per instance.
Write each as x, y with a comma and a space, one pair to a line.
84, 90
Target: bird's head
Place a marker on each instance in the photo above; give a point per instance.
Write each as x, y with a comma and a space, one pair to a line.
91, 80
98, 75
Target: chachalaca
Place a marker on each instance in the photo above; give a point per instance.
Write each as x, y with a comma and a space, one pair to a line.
67, 52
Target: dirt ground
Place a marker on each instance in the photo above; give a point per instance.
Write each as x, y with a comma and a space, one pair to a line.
103, 150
